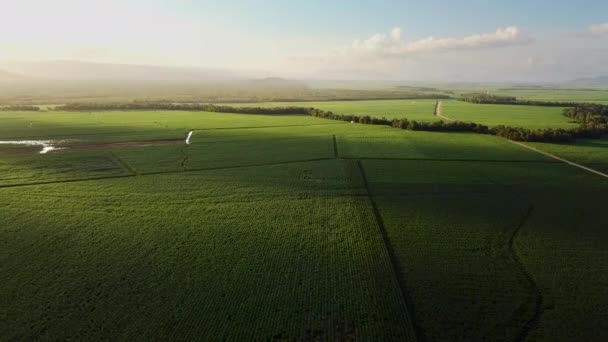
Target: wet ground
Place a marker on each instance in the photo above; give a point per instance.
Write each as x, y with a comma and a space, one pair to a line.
18, 147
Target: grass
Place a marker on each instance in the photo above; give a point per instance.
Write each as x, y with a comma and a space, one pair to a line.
517, 116
33, 169
584, 95
420, 110
296, 228
130, 126
205, 255
395, 144
204, 155
590, 152
454, 229
563, 246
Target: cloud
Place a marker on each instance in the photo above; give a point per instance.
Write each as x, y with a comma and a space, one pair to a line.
392, 44
599, 29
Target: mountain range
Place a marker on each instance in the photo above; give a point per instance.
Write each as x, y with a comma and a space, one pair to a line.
81, 71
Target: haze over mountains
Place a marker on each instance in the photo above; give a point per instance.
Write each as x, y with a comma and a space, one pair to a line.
86, 71
599, 81
9, 76
89, 71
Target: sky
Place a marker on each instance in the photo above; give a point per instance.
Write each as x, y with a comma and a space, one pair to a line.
467, 40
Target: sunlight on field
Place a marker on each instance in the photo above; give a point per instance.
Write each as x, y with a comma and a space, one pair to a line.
336, 230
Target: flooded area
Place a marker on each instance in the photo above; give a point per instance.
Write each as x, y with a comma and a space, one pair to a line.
16, 147
45, 146
31, 146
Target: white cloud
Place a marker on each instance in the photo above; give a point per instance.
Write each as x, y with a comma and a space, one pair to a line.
599, 29
392, 44
507, 54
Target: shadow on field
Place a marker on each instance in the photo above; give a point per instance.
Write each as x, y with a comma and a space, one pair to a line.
601, 143
216, 252
131, 126
236, 217
465, 242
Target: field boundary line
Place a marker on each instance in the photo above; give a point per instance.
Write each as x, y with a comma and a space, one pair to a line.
237, 140
123, 163
418, 333
336, 155
186, 157
532, 323
260, 127
177, 130
550, 155
143, 173
451, 160
164, 173
7, 186
235, 167
439, 111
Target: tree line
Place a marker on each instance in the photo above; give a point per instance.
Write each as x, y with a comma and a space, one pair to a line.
550, 135
480, 98
20, 108
593, 119
90, 107
588, 113
412, 125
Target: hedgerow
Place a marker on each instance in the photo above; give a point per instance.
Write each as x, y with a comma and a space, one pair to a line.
480, 98
20, 108
593, 118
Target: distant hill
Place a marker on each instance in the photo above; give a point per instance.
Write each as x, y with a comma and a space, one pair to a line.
75, 70
9, 76
597, 82
277, 82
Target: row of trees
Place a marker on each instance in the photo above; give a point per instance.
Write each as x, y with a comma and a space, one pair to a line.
89, 107
480, 98
439, 126
593, 119
412, 125
588, 113
550, 135
20, 108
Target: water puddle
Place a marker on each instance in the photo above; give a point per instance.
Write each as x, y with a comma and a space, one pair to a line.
46, 145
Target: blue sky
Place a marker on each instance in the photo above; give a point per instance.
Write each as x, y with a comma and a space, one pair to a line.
339, 39
422, 18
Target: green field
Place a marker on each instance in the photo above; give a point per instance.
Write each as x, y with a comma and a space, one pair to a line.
467, 233
592, 152
298, 228
567, 95
532, 117
131, 126
420, 110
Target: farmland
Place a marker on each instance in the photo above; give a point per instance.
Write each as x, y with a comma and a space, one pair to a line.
414, 109
591, 152
509, 115
558, 95
299, 228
